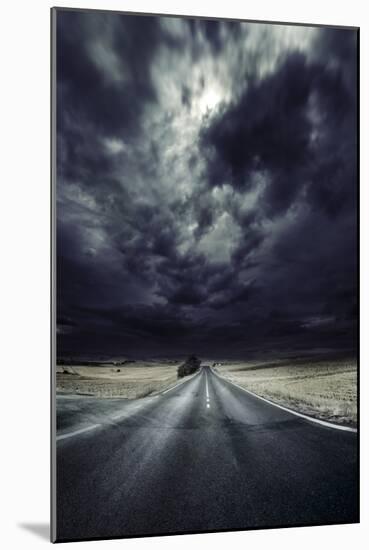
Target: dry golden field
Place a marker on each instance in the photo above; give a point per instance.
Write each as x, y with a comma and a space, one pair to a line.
323, 389
131, 381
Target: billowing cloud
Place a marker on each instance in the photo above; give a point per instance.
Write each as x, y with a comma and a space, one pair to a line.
206, 186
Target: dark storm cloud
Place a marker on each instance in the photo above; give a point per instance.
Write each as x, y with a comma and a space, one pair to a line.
297, 127
95, 82
210, 31
271, 130
206, 186
214, 33
268, 128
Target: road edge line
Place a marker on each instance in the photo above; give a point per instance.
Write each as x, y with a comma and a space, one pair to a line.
77, 432
291, 411
178, 384
68, 435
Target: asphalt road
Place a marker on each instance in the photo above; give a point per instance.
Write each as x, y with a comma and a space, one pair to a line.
204, 456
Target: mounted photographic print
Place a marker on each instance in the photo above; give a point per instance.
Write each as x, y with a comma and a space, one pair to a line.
204, 274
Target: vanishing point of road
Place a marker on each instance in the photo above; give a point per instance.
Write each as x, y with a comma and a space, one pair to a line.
202, 456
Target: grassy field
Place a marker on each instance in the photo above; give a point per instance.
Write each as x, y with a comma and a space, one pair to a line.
131, 381
320, 388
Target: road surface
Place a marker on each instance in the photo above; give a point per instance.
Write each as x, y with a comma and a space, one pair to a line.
204, 456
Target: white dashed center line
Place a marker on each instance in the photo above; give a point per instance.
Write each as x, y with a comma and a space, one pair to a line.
207, 391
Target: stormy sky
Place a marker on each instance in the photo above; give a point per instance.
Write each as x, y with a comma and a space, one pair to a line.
206, 186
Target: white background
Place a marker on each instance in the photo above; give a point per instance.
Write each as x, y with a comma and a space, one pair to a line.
24, 273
